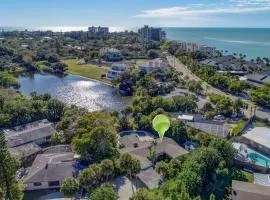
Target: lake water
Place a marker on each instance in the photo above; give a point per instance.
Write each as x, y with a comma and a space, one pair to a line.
73, 89
253, 42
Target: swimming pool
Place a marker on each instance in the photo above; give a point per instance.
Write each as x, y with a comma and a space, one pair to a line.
133, 133
260, 159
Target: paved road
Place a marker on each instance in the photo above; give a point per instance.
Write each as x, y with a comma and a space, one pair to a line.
183, 92
179, 66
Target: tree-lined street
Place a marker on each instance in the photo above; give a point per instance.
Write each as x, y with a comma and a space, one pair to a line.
180, 67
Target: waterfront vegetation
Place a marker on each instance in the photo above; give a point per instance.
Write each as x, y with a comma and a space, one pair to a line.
206, 173
155, 83
97, 145
17, 109
87, 70
7, 80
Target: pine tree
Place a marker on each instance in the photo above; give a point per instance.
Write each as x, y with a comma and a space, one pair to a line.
9, 186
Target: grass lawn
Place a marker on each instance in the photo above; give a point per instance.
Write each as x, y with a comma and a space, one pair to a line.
249, 176
89, 71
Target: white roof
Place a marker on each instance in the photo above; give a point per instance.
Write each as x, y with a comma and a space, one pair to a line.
242, 78
186, 117
260, 135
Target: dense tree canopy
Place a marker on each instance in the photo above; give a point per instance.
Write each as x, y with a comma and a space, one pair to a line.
105, 192
205, 171
209, 74
158, 82
261, 96
17, 109
96, 136
224, 105
69, 187
10, 189
7, 80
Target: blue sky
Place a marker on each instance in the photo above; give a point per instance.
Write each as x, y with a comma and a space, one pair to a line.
135, 13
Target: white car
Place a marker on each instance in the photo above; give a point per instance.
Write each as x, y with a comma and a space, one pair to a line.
219, 117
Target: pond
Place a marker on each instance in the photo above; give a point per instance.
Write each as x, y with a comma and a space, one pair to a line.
73, 89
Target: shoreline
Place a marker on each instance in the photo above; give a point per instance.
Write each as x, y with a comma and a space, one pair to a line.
91, 79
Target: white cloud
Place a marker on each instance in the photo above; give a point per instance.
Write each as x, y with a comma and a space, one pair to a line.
196, 10
252, 2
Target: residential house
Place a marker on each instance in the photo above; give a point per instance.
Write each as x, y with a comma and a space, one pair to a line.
231, 63
111, 54
258, 138
24, 140
38, 132
153, 65
257, 80
137, 144
216, 128
49, 171
116, 70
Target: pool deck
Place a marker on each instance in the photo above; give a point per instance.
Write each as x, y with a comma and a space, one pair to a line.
247, 151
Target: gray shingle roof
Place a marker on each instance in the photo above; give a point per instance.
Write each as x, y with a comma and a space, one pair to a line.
259, 78
28, 133
150, 178
50, 167
25, 150
166, 146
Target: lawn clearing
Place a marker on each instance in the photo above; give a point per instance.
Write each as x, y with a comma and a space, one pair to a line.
89, 71
249, 176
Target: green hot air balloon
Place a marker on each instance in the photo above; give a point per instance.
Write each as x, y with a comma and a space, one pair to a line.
161, 124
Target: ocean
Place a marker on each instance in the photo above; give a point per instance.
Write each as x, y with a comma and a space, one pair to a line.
252, 42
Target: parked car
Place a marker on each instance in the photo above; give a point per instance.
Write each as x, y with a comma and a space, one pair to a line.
219, 117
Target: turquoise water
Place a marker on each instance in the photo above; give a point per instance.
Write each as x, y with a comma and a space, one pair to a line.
253, 42
260, 159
